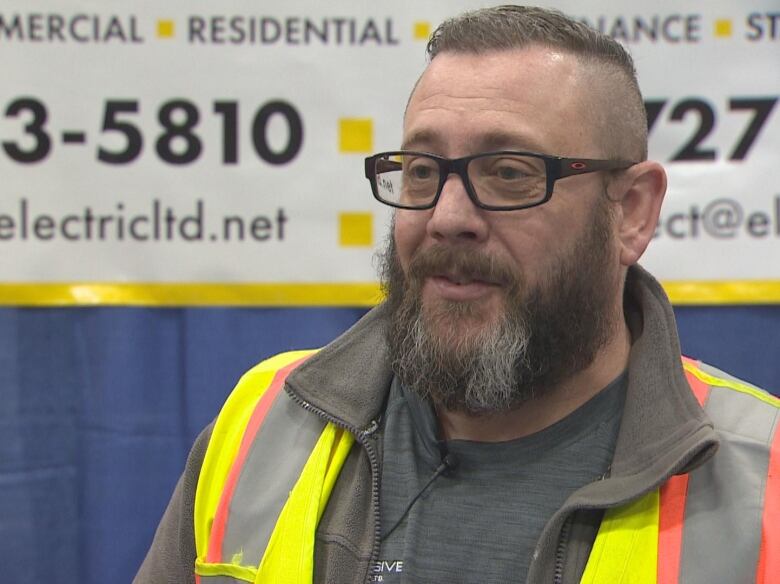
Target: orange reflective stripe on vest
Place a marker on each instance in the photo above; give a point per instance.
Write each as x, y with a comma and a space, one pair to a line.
769, 556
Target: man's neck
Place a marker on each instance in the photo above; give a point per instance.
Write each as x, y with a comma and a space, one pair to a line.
552, 405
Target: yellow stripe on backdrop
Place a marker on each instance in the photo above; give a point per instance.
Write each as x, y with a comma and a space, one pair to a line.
727, 292
190, 294
362, 294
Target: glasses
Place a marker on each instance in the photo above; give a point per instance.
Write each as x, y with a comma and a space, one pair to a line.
496, 181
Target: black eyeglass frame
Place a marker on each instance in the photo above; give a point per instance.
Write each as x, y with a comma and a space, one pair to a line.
556, 167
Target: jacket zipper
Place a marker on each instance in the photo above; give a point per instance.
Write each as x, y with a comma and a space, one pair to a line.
560, 551
363, 437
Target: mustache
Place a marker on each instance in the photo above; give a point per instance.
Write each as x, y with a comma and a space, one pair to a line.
471, 264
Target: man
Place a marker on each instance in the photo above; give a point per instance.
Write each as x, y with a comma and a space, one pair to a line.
517, 410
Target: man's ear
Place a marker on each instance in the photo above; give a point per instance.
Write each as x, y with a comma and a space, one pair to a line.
640, 192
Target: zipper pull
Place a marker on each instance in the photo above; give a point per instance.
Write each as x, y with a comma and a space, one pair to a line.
371, 429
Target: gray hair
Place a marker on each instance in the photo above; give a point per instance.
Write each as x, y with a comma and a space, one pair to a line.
620, 114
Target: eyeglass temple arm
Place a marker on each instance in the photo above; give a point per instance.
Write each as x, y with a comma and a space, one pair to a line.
573, 166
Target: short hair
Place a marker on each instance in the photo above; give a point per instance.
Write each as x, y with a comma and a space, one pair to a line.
620, 112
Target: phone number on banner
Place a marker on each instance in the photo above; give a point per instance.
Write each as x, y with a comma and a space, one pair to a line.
178, 120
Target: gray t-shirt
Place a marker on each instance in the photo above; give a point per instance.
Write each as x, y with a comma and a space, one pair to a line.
481, 521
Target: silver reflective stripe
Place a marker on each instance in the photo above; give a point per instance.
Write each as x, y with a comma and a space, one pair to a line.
271, 469
220, 580
723, 513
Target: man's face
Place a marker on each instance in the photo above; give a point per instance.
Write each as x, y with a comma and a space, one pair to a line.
471, 281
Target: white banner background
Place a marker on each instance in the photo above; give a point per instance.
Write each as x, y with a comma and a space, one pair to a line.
73, 221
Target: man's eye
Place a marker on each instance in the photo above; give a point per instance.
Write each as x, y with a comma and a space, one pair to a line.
510, 173
420, 172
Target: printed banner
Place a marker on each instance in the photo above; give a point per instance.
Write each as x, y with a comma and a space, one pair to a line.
192, 153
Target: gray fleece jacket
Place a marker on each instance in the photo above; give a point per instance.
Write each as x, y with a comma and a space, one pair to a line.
663, 432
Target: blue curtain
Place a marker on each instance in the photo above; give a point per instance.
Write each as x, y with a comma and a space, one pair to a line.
100, 405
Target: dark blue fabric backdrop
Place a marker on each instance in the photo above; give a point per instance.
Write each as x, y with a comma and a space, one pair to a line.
100, 405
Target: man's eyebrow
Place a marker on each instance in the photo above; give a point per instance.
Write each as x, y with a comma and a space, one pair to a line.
424, 139
429, 140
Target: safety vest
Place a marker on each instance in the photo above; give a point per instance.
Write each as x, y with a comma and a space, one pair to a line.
270, 467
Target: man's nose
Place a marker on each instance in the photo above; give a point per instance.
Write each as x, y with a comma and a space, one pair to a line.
455, 217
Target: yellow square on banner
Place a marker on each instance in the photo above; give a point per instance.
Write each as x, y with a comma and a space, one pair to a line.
165, 29
422, 30
356, 135
356, 229
723, 27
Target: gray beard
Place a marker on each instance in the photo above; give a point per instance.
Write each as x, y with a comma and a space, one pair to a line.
545, 335
476, 375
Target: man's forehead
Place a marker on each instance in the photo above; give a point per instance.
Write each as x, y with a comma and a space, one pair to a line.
457, 98
507, 98
497, 80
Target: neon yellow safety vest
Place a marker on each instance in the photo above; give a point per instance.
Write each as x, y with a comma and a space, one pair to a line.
266, 479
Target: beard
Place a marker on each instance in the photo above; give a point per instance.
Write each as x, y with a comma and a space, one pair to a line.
448, 353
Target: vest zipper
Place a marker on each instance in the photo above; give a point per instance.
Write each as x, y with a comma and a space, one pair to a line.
363, 437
